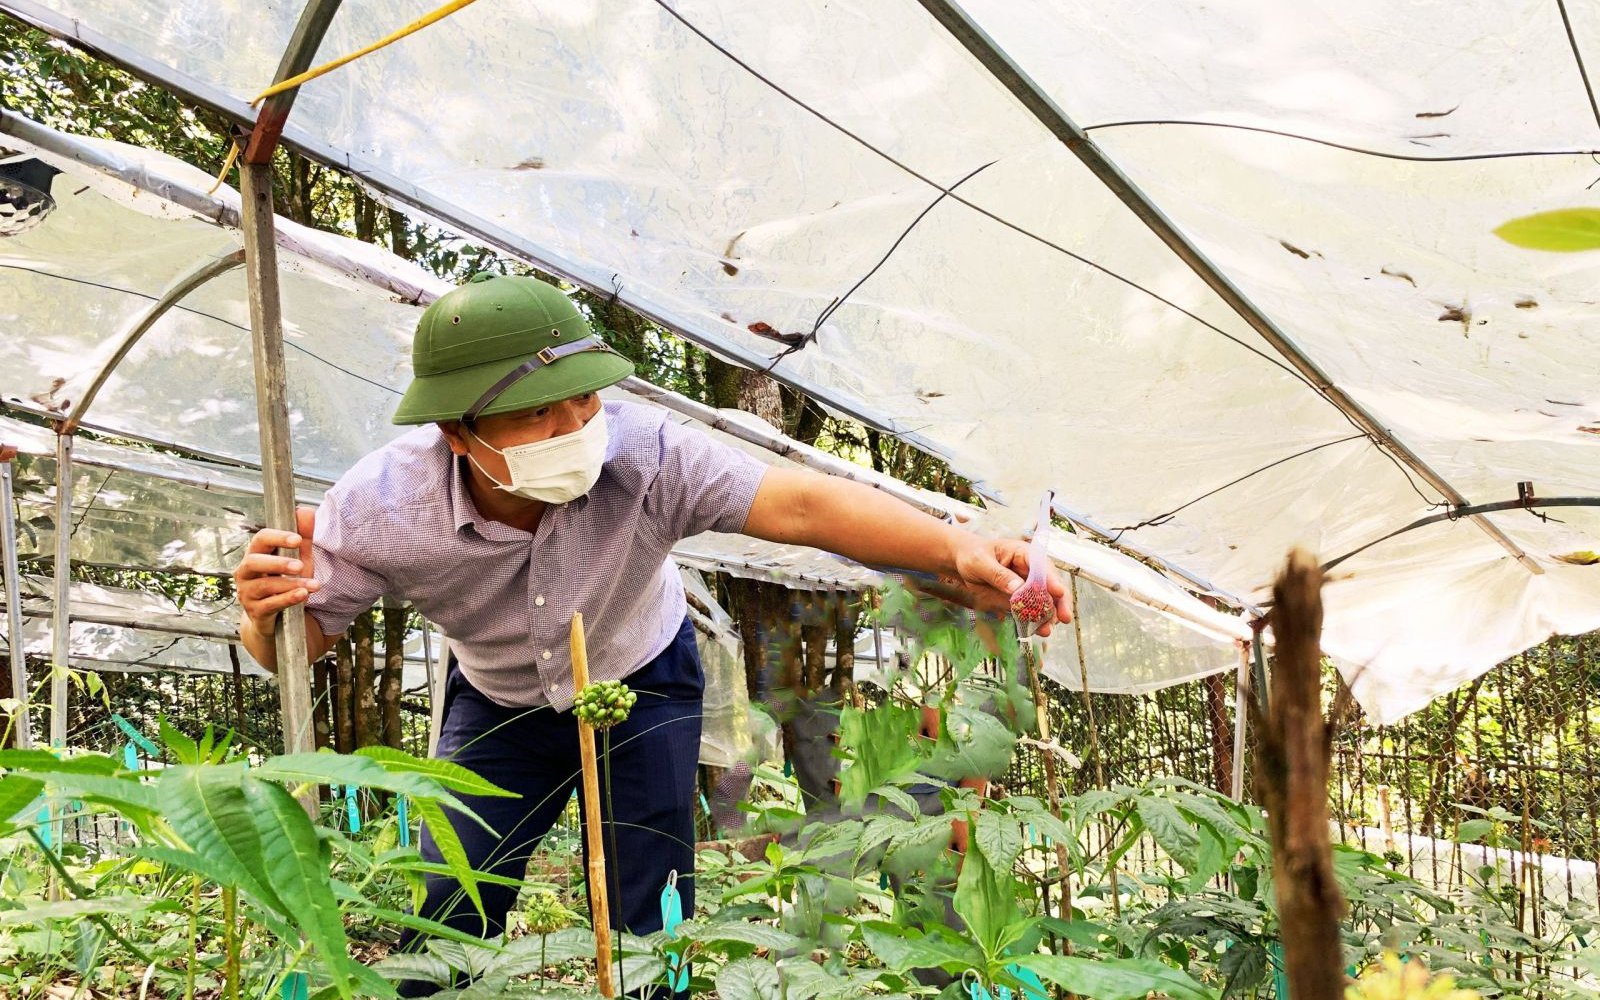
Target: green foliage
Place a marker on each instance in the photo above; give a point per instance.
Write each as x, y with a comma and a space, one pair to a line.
1566, 230
235, 829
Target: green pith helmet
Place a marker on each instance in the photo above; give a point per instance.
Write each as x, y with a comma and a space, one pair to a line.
500, 343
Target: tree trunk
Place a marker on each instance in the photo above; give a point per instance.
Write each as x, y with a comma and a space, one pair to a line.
394, 661
399, 243
368, 730
344, 697
814, 632
1292, 781
847, 615
1221, 733
322, 703
759, 394
751, 611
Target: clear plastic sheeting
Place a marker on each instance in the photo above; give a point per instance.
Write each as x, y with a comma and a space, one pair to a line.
727, 735
754, 175
121, 628
1129, 648
76, 282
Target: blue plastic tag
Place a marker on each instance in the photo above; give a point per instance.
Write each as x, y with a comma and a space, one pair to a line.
704, 804
351, 809
150, 749
46, 834
1032, 985
405, 822
294, 986
671, 917
130, 756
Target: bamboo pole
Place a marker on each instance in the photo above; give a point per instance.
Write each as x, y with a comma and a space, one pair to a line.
594, 834
1241, 721
61, 625
1041, 712
272, 414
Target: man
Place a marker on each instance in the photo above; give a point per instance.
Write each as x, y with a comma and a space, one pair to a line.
522, 500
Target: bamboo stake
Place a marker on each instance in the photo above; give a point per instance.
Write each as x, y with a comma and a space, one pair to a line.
1052, 785
599, 907
1094, 730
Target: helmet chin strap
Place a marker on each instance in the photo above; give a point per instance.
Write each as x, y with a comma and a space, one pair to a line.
548, 356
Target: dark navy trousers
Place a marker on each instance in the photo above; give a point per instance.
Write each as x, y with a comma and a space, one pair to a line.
534, 752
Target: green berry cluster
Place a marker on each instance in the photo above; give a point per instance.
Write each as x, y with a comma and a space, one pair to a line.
603, 704
545, 913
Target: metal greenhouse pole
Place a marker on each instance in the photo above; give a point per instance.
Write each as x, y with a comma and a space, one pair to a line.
13, 584
266, 328
61, 623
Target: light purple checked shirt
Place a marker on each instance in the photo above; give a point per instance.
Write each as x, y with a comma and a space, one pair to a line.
401, 524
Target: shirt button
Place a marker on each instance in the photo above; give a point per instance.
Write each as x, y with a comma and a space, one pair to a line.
546, 654
539, 601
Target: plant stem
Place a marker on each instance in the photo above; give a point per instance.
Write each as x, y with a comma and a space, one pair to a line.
194, 937
230, 907
79, 892
616, 856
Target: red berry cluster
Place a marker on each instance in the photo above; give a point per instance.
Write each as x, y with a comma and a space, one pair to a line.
1033, 606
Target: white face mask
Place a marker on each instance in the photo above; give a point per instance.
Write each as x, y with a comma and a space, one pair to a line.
557, 470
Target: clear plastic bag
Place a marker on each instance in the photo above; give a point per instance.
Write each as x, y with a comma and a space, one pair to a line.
1032, 606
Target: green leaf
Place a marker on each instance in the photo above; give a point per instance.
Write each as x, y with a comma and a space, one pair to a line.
1169, 828
1563, 231
1211, 859
1093, 803
971, 743
126, 793
1474, 830
918, 846
449, 843
1115, 978
184, 750
74, 909
1000, 836
298, 872
1245, 965
882, 745
447, 773
756, 935
986, 900
46, 762
207, 807
429, 968
17, 792
904, 949
749, 979
343, 769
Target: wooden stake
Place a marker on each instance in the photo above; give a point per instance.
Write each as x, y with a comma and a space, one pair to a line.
599, 908
1292, 782
277, 460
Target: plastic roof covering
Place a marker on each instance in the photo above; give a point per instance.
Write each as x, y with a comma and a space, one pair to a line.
147, 509
133, 512
125, 629
738, 167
